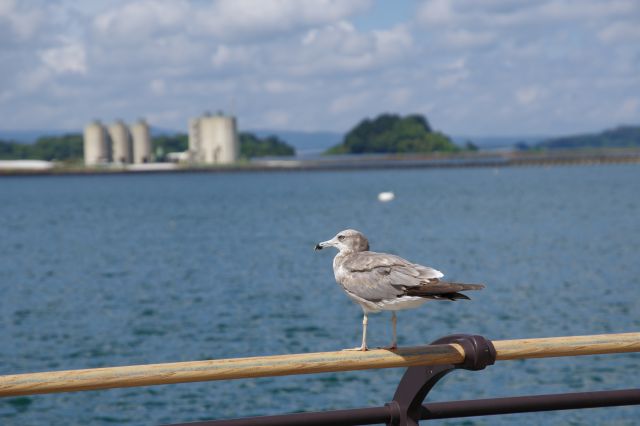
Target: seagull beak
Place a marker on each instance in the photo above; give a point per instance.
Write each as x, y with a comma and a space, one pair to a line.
324, 244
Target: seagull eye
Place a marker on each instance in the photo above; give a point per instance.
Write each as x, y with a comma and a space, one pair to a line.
340, 237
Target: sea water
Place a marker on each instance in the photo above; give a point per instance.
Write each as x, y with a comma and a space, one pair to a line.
132, 269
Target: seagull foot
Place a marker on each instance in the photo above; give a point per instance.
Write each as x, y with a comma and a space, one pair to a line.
359, 348
389, 348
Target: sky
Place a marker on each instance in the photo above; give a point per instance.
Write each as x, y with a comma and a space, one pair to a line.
492, 67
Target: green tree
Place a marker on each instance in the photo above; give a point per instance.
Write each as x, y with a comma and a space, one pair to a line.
51, 148
59, 148
252, 146
162, 145
10, 150
391, 133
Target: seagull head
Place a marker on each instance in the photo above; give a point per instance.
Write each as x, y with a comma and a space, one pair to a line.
347, 241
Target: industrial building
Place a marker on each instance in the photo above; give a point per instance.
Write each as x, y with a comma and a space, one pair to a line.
121, 149
141, 139
117, 143
213, 139
97, 145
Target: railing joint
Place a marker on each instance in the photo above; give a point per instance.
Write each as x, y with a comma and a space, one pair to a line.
395, 413
417, 382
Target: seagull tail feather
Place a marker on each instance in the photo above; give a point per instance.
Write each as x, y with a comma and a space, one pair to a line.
455, 296
463, 286
444, 290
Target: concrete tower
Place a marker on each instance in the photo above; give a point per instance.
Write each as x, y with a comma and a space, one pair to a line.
96, 144
218, 139
195, 141
141, 142
121, 143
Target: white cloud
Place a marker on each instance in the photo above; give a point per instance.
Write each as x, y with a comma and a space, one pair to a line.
498, 13
68, 58
341, 35
467, 39
455, 65
451, 79
630, 108
581, 9
226, 20
346, 103
399, 97
245, 19
452, 73
436, 12
22, 21
394, 42
628, 31
138, 20
340, 48
158, 86
280, 86
276, 118
225, 56
325, 64
6, 96
33, 79
528, 95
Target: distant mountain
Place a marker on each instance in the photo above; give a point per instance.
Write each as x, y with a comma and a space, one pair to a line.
620, 137
30, 136
160, 131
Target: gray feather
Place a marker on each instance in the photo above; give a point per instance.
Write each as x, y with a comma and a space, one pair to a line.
380, 276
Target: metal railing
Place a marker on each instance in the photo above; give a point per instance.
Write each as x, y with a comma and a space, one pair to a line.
426, 365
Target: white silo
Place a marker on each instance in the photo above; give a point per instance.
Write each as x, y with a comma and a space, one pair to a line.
195, 145
96, 144
219, 139
141, 142
120, 142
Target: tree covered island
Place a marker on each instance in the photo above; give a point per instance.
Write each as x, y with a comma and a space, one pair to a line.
391, 133
619, 137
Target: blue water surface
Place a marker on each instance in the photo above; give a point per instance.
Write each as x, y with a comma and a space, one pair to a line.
132, 269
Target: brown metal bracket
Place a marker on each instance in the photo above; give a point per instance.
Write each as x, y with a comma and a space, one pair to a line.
406, 407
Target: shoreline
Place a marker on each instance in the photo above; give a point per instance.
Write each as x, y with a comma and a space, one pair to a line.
364, 162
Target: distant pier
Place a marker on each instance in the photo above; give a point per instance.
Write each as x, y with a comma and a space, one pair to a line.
357, 162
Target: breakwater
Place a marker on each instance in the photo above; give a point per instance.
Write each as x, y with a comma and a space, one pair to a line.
363, 162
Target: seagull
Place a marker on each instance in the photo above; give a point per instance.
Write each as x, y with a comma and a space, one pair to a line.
384, 282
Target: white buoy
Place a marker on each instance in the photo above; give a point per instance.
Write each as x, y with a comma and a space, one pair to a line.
385, 197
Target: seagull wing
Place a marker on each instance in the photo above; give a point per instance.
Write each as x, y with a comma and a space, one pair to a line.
380, 276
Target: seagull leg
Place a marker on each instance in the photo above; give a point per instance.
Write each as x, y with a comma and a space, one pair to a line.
362, 347
394, 322
365, 321
394, 342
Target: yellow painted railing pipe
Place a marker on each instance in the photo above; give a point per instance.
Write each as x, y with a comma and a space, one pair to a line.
319, 362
